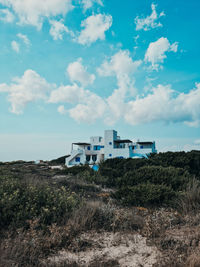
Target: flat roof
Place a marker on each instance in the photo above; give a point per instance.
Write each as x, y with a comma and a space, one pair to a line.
81, 144
123, 141
145, 143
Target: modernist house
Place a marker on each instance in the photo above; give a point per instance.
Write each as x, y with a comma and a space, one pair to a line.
111, 146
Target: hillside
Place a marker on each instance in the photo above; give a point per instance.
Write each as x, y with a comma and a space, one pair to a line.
141, 212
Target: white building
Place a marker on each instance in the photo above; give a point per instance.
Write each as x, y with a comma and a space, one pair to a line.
111, 146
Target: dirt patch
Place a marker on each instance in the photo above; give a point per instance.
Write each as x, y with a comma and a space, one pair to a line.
126, 249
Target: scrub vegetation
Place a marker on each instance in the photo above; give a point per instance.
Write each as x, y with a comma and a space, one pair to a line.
46, 211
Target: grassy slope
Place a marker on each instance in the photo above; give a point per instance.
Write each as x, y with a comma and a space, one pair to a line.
43, 211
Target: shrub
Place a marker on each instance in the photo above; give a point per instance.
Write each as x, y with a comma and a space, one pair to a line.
145, 195
190, 199
190, 161
20, 202
92, 215
76, 170
175, 177
193, 260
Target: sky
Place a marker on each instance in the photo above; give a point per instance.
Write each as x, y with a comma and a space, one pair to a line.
72, 69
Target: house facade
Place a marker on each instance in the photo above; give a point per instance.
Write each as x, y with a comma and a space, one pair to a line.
107, 147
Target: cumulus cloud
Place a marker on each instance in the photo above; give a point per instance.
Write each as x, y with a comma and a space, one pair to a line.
119, 64
30, 87
95, 27
62, 110
149, 22
24, 38
93, 109
15, 46
123, 67
88, 106
33, 12
77, 72
72, 94
58, 29
87, 4
6, 16
156, 52
163, 105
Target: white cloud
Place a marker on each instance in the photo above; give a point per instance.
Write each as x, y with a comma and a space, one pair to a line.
150, 21
119, 64
62, 110
89, 106
93, 109
163, 105
4, 88
15, 46
24, 38
156, 52
58, 29
174, 47
33, 12
72, 94
95, 27
197, 142
30, 87
89, 3
77, 72
6, 15
123, 67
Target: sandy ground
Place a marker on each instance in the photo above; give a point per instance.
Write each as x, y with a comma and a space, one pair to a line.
130, 250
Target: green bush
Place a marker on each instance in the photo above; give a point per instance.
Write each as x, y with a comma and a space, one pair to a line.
177, 178
20, 202
76, 170
159, 180
146, 195
189, 161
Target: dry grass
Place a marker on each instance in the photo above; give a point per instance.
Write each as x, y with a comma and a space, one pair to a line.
190, 201
194, 259
30, 247
92, 215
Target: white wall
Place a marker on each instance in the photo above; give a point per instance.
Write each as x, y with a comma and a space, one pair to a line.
120, 152
142, 151
109, 137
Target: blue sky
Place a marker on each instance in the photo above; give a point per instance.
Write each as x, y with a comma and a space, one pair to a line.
71, 69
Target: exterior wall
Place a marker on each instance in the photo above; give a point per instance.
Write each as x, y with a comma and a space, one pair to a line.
96, 140
105, 148
79, 153
109, 137
142, 151
120, 152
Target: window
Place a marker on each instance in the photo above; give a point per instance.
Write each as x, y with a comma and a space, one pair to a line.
88, 148
97, 147
94, 157
110, 143
110, 155
141, 147
77, 159
88, 158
